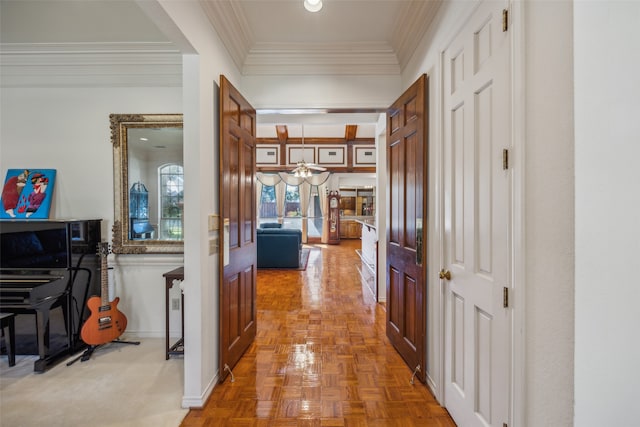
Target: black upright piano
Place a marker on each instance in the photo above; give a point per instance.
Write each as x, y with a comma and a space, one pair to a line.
45, 264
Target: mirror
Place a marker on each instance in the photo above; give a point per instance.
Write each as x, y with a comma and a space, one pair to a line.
148, 183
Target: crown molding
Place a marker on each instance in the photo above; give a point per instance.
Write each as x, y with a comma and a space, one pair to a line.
321, 59
412, 24
229, 21
160, 63
90, 65
87, 47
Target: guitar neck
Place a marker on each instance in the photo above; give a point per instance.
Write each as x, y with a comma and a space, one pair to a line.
104, 280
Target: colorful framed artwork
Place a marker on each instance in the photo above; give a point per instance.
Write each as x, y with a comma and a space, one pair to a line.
27, 193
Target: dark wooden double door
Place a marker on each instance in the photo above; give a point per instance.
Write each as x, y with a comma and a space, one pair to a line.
407, 175
406, 240
238, 259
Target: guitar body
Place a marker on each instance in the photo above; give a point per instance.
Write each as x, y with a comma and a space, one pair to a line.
105, 324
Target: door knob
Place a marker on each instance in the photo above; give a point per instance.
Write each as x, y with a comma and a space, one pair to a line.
445, 274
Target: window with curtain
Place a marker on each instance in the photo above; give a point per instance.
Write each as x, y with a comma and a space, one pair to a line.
268, 207
292, 203
314, 213
292, 213
297, 202
171, 197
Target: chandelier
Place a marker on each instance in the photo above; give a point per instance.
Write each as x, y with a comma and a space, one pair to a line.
304, 169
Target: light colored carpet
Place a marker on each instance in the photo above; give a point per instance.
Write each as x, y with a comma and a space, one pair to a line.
121, 385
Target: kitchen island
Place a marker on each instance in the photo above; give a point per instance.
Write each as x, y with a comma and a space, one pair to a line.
368, 254
351, 225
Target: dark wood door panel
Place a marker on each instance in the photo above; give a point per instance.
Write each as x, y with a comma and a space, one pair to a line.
404, 312
249, 194
231, 330
407, 207
237, 206
231, 186
395, 192
241, 325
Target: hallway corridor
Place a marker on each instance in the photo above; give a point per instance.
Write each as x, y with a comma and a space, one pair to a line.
321, 357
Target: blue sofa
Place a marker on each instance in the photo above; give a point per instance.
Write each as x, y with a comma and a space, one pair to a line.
279, 247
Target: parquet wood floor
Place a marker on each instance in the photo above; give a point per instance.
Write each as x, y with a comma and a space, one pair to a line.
321, 357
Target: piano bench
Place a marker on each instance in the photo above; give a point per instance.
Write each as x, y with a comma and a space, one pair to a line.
7, 320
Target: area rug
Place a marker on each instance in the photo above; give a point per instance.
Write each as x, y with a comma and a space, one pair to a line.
302, 265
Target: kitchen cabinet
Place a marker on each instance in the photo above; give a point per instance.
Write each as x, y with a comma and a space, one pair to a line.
350, 229
357, 201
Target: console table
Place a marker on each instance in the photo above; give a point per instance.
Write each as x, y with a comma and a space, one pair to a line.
170, 276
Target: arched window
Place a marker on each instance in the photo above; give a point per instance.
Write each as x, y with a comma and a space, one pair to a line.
171, 202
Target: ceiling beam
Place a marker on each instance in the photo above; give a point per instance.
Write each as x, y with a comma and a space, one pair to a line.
350, 132
283, 133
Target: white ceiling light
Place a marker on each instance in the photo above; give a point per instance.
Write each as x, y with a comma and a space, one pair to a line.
313, 5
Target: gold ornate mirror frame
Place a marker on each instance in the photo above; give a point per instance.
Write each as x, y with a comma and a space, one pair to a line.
121, 124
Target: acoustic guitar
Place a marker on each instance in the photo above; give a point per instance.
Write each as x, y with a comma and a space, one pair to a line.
106, 323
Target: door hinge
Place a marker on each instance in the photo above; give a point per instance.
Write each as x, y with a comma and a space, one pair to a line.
505, 20
505, 159
505, 297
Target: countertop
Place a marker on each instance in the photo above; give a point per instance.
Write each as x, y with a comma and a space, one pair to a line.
368, 222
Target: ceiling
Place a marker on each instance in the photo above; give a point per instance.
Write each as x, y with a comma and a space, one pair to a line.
264, 37
345, 37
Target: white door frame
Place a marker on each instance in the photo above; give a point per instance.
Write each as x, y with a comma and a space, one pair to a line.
518, 364
517, 162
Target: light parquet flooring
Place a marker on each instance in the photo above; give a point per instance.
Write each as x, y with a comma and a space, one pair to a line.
321, 357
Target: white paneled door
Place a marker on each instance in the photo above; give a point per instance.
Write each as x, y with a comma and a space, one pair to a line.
477, 221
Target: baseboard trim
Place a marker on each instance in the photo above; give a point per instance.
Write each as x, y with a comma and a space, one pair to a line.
198, 402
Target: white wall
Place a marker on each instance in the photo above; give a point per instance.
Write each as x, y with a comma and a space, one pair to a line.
355, 179
68, 129
549, 212
607, 149
324, 91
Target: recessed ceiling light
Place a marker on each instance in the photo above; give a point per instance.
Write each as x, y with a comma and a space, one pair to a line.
313, 5
144, 139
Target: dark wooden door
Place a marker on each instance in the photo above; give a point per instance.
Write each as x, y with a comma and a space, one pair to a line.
238, 240
406, 222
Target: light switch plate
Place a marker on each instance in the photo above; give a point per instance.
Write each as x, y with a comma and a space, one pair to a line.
213, 246
214, 222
